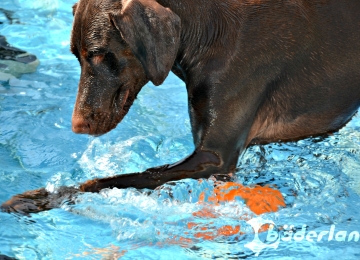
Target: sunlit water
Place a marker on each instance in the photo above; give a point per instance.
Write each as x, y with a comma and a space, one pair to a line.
319, 178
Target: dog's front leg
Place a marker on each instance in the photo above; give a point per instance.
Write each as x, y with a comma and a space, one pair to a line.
200, 164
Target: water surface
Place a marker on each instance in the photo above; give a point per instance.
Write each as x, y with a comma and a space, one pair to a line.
318, 177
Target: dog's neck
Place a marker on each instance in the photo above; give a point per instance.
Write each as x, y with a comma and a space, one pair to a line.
184, 7
199, 28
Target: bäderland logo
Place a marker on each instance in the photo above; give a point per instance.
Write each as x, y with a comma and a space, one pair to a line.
276, 236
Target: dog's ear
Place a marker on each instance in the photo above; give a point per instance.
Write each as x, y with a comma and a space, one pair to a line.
74, 8
153, 34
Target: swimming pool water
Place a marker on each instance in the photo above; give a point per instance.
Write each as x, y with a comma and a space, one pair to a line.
318, 177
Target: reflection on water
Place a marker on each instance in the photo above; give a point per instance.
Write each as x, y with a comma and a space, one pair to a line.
313, 182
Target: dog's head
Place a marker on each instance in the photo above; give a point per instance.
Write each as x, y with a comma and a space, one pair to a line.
121, 45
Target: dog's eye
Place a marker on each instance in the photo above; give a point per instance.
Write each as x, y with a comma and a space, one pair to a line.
96, 57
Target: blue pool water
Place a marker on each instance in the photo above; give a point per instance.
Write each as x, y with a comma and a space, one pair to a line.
319, 178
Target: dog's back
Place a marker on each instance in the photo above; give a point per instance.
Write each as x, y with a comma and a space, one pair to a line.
313, 48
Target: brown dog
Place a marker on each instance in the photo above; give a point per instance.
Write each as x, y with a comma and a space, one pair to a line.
256, 71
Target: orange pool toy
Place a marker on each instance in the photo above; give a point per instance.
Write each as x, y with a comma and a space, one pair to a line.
259, 199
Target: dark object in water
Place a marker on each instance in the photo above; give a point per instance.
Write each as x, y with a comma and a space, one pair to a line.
4, 257
14, 61
9, 15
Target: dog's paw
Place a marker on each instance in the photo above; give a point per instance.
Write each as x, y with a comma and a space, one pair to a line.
38, 200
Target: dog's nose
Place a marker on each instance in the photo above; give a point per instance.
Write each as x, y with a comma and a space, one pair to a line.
80, 125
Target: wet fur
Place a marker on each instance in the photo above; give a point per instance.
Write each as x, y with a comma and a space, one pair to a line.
255, 72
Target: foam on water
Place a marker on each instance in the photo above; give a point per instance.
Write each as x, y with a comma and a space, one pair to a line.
317, 177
